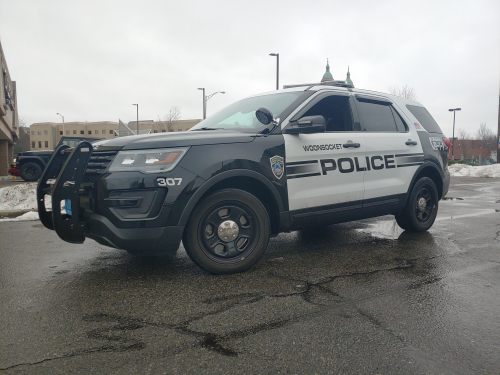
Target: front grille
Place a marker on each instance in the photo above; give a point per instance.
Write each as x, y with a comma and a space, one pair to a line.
97, 165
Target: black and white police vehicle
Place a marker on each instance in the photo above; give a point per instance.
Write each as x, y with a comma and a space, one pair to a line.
312, 154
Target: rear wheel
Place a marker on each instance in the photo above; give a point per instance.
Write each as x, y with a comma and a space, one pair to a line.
227, 232
30, 171
421, 209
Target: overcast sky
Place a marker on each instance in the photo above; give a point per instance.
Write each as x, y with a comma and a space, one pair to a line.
90, 60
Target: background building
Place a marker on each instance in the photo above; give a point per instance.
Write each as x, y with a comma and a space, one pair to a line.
9, 123
46, 135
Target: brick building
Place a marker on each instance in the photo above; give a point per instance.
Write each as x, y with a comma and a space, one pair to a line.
9, 123
469, 148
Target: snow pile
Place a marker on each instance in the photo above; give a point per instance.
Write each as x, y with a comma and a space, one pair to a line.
18, 197
464, 170
32, 215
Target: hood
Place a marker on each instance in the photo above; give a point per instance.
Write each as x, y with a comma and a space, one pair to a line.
181, 139
36, 153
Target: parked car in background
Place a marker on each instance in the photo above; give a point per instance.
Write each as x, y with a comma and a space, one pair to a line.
31, 164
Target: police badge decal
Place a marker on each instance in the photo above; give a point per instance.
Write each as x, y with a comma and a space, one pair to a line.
277, 164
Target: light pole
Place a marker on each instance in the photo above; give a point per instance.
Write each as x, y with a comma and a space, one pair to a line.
62, 119
453, 137
137, 124
205, 99
277, 69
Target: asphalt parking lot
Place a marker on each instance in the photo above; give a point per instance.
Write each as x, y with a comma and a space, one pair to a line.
356, 298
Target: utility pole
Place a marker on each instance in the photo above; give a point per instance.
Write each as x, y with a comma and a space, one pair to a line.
453, 144
498, 134
205, 99
62, 119
137, 123
277, 69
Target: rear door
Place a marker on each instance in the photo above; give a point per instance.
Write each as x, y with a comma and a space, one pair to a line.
392, 147
326, 169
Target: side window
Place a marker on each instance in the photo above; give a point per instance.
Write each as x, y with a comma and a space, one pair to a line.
400, 124
376, 117
337, 113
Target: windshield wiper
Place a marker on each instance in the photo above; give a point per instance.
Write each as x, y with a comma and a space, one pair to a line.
205, 128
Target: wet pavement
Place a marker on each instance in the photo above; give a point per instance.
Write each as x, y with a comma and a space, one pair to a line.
356, 298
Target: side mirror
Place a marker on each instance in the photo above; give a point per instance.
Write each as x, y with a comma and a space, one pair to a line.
308, 124
264, 116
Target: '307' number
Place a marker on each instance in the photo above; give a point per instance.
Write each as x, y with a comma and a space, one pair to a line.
168, 181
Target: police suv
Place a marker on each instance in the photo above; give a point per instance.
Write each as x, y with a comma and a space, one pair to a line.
313, 154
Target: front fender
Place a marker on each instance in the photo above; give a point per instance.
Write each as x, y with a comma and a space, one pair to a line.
223, 176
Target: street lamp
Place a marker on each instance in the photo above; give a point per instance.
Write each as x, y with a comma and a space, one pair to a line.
137, 124
205, 99
62, 119
453, 137
277, 69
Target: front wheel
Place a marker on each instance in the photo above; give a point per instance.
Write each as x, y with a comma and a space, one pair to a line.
30, 172
227, 232
421, 209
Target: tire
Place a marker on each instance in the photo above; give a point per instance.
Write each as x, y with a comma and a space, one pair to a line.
227, 232
421, 209
30, 171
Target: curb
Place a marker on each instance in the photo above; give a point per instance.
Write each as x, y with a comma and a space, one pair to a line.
13, 213
4, 178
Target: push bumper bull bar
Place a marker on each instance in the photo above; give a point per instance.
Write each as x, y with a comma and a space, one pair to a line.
67, 169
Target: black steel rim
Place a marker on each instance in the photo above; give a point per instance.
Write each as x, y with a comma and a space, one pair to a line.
233, 251
30, 171
424, 215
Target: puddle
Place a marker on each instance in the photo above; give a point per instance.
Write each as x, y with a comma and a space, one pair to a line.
383, 229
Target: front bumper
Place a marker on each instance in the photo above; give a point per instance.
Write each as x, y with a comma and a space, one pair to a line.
153, 241
148, 226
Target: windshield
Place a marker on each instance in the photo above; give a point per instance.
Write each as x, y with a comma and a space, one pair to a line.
241, 115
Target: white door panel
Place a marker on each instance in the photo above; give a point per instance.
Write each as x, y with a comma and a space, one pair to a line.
400, 163
315, 175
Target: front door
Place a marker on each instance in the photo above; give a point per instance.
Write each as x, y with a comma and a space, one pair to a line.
326, 169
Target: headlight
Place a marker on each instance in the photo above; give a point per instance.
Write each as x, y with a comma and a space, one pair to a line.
148, 161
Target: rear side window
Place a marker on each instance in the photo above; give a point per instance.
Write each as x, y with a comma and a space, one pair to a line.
424, 118
401, 125
376, 117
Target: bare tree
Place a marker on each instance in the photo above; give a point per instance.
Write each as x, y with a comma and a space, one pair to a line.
486, 136
170, 119
464, 138
405, 91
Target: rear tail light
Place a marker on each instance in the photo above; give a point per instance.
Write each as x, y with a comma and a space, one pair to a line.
447, 142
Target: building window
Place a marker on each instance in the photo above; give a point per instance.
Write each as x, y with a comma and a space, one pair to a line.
46, 132
82, 132
47, 144
97, 131
90, 132
32, 133
39, 133
60, 132
163, 130
39, 144
111, 132
33, 144
67, 132
179, 130
104, 132
74, 131
155, 131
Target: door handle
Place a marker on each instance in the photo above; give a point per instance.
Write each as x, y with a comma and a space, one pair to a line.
349, 144
409, 142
